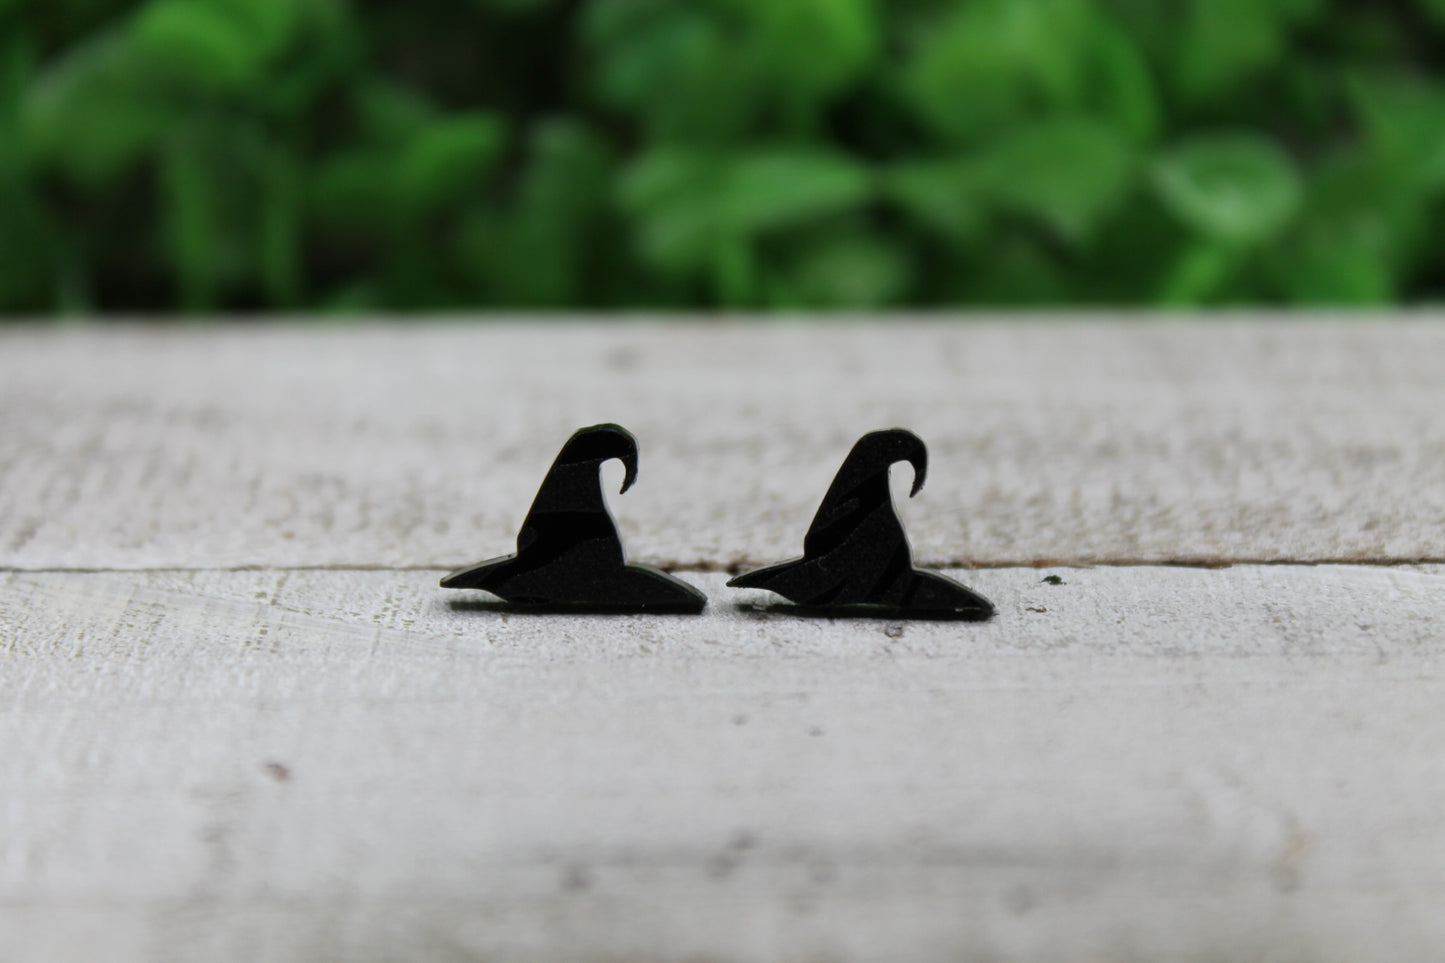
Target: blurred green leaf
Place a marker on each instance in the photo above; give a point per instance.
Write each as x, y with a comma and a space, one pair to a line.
17, 62
1125, 262
192, 224
676, 66
388, 113
447, 159
1405, 122
992, 60
699, 211
1199, 272
1151, 26
85, 115
1120, 87
280, 254
516, 6
1223, 41
941, 195
353, 190
1018, 272
851, 269
1226, 41
259, 154
840, 37
1238, 189
1068, 173
671, 193
270, 26
535, 253
26, 243
1434, 9
1360, 230
1339, 272
769, 189
691, 198
202, 43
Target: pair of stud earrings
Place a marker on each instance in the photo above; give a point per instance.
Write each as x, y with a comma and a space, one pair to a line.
855, 560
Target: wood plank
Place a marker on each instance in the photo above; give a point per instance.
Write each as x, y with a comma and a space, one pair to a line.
324, 757
421, 445
1146, 764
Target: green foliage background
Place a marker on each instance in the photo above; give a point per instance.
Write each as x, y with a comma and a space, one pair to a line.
201, 155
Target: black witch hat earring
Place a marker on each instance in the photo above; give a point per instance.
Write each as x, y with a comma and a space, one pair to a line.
568, 552
855, 552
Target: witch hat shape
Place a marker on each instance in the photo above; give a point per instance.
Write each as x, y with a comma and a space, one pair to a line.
855, 552
568, 552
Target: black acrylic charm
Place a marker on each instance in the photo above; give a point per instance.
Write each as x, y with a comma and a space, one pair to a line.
568, 553
856, 558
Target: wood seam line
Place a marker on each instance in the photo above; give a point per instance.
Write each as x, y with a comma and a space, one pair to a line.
738, 566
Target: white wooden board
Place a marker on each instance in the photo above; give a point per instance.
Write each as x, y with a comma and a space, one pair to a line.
421, 445
1140, 764
239, 721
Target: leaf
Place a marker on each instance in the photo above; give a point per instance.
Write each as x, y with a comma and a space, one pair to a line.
752, 152
992, 61
1224, 40
841, 38
270, 26
280, 255
1014, 271
445, 160
515, 7
390, 113
27, 258
85, 115
942, 195
18, 56
324, 49
689, 203
1120, 88
1361, 231
1197, 275
676, 67
1239, 189
852, 269
1405, 122
535, 252
1124, 264
1339, 273
1434, 9
1227, 41
352, 190
1068, 173
671, 193
192, 227
198, 43
770, 189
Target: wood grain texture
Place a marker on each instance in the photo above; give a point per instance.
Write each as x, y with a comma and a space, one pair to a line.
421, 445
239, 720
1141, 764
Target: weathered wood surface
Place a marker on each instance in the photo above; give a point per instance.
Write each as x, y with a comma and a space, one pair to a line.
1140, 764
326, 758
422, 445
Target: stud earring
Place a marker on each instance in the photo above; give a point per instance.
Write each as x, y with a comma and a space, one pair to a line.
569, 555
856, 558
